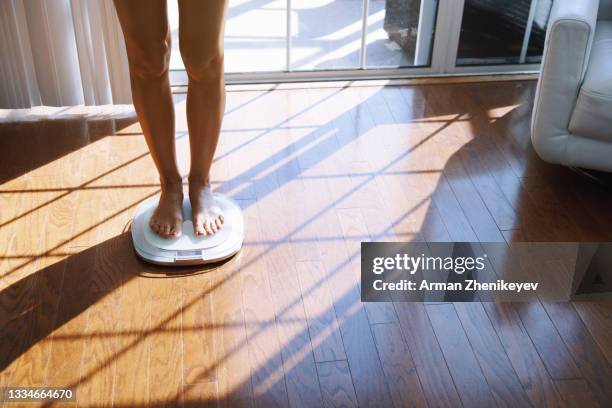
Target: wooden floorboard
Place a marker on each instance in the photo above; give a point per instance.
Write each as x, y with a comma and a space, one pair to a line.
267, 372
433, 370
316, 171
588, 356
546, 340
231, 361
522, 354
576, 393
489, 351
597, 317
336, 384
398, 366
318, 306
467, 375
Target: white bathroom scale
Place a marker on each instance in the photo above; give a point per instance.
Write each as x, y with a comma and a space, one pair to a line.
188, 249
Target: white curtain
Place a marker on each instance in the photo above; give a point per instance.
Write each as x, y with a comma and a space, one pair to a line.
61, 53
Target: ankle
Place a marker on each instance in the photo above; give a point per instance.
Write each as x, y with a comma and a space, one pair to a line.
199, 181
174, 186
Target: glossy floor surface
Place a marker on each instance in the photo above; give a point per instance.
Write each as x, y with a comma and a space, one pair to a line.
316, 172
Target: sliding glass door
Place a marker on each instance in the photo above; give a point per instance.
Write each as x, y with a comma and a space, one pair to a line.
284, 40
502, 31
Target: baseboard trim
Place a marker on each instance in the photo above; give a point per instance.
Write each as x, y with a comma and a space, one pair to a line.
435, 80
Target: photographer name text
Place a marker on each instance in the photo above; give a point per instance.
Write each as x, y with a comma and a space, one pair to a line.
467, 285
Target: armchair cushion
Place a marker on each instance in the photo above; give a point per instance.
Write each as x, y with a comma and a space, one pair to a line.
592, 116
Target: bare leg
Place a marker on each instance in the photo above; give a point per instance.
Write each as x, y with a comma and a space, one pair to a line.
201, 26
147, 38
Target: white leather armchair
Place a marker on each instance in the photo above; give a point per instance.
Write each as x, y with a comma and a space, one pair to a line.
572, 115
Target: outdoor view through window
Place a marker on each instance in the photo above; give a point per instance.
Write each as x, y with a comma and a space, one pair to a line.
329, 34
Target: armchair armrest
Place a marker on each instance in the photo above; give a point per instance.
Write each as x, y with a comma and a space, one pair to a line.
566, 53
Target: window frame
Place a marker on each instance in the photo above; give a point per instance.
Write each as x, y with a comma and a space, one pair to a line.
443, 56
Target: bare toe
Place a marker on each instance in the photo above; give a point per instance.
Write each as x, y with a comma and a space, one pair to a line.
167, 218
178, 228
204, 207
207, 228
198, 227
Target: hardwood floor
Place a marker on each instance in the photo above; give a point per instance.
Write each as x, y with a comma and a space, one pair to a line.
316, 172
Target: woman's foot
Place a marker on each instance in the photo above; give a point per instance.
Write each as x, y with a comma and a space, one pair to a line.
206, 215
167, 219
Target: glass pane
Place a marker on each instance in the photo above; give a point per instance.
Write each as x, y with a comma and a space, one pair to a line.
326, 34
255, 35
493, 31
538, 31
400, 32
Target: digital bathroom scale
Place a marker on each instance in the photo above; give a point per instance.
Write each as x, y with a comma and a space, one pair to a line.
188, 249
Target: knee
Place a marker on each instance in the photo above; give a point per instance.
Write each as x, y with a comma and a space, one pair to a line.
150, 62
202, 65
